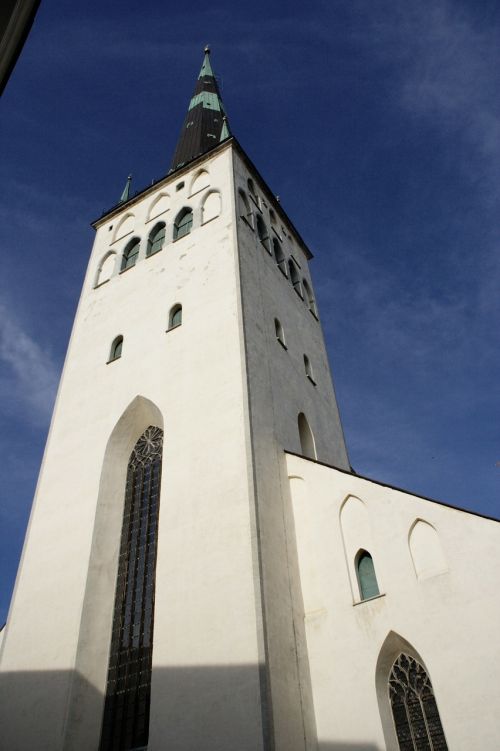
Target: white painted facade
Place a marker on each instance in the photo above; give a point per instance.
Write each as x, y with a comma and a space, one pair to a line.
260, 641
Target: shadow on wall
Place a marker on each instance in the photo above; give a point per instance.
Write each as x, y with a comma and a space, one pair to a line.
209, 708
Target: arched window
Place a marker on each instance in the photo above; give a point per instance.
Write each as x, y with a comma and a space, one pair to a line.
128, 691
272, 217
116, 349
309, 298
279, 256
251, 190
365, 571
280, 334
183, 223
130, 254
307, 444
156, 239
201, 181
263, 233
294, 277
175, 316
414, 709
308, 369
244, 207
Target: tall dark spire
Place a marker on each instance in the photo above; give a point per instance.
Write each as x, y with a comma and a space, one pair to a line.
206, 123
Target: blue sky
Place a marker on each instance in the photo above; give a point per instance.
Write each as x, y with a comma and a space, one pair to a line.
378, 125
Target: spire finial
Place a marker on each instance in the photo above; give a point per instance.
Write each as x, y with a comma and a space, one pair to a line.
126, 191
207, 49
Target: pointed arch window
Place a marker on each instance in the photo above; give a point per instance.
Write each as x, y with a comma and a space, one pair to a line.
116, 349
251, 190
307, 443
280, 334
175, 316
414, 709
311, 304
367, 580
263, 233
183, 223
130, 254
156, 239
279, 256
244, 208
125, 722
294, 277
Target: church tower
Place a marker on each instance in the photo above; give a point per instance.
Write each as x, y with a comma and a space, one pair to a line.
158, 599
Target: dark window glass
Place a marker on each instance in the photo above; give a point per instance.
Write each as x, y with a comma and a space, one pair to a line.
414, 708
156, 239
368, 586
175, 317
263, 233
279, 256
183, 224
125, 723
116, 348
130, 254
294, 277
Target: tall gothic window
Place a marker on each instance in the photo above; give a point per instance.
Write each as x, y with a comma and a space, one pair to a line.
414, 708
126, 710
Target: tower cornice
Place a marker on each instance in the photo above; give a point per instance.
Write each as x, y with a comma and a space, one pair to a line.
172, 177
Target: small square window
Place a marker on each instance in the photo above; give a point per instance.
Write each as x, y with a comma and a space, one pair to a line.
179, 186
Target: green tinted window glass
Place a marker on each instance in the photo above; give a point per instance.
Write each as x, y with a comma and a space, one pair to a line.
131, 253
366, 576
156, 240
183, 224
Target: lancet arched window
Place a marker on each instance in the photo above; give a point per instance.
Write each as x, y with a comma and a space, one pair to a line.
126, 710
294, 277
263, 233
116, 348
414, 709
367, 580
279, 256
156, 239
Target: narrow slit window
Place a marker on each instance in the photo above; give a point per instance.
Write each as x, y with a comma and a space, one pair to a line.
308, 369
116, 349
367, 580
183, 224
156, 239
280, 334
175, 316
130, 254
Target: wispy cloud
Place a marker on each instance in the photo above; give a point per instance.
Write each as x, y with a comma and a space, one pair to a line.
30, 374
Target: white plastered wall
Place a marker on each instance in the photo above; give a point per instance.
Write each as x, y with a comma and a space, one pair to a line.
451, 619
206, 654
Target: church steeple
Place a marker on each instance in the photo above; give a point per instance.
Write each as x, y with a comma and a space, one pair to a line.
206, 123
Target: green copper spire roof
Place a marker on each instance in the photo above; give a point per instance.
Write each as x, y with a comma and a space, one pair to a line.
206, 123
126, 190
